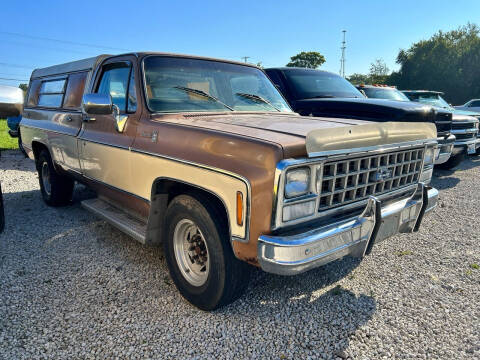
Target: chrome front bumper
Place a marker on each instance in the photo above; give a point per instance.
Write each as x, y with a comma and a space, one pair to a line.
293, 254
444, 150
465, 146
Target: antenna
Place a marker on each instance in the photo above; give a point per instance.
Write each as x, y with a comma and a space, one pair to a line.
342, 60
245, 58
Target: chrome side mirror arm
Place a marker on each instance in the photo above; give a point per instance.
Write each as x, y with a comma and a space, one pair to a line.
120, 120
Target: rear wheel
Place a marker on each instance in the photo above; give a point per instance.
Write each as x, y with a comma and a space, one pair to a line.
199, 256
453, 162
20, 144
56, 189
2, 214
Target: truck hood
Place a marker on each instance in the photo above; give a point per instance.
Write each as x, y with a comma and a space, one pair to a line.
466, 113
287, 130
371, 109
261, 125
464, 118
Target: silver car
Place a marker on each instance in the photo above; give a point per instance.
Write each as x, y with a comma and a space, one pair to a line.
472, 105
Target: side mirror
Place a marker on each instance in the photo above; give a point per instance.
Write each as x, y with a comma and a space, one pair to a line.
97, 104
11, 101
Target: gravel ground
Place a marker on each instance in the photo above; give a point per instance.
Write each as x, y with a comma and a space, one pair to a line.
72, 286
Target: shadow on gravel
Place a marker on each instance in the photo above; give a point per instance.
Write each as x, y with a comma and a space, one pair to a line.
443, 181
24, 204
326, 315
13, 160
469, 163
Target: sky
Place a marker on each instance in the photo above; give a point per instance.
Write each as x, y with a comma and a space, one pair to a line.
36, 34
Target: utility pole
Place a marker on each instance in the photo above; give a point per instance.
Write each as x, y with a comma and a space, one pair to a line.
342, 60
245, 58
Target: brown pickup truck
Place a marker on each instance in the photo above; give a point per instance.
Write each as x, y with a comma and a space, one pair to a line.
205, 157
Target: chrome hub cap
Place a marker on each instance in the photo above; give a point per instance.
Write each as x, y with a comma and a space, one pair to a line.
47, 186
191, 252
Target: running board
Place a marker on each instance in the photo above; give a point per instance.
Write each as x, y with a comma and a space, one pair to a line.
117, 218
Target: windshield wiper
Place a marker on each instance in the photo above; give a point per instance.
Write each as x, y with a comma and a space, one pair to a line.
204, 94
257, 98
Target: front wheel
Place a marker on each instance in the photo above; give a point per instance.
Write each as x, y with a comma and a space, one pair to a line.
199, 256
453, 162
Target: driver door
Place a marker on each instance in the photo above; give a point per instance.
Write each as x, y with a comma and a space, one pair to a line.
103, 147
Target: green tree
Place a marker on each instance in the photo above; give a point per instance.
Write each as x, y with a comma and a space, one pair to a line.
379, 68
307, 59
24, 87
378, 72
357, 79
447, 62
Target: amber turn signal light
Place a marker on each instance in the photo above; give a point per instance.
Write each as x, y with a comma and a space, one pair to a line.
239, 208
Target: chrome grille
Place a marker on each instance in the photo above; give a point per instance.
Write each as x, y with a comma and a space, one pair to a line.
466, 136
345, 181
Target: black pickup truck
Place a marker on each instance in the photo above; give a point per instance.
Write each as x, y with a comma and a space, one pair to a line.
320, 93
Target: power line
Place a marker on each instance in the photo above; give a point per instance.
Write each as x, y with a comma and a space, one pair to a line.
17, 66
1, 78
62, 41
38, 46
9, 74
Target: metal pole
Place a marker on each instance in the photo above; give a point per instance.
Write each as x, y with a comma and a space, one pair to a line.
342, 60
245, 58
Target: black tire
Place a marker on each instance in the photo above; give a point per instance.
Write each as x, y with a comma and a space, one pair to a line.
20, 145
61, 187
451, 163
227, 276
2, 214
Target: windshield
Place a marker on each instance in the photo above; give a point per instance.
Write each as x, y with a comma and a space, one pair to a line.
385, 93
307, 84
430, 99
176, 84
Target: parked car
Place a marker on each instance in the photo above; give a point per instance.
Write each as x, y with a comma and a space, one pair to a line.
13, 124
460, 124
472, 105
2, 213
320, 93
206, 157
464, 125
382, 92
11, 103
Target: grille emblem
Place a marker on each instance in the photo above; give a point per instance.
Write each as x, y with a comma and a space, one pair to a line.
383, 174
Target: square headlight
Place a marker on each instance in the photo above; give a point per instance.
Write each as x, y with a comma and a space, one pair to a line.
297, 182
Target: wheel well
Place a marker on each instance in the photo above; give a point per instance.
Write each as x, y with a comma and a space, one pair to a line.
37, 148
165, 190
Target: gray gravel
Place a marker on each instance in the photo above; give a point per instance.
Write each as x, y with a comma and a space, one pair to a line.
71, 286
